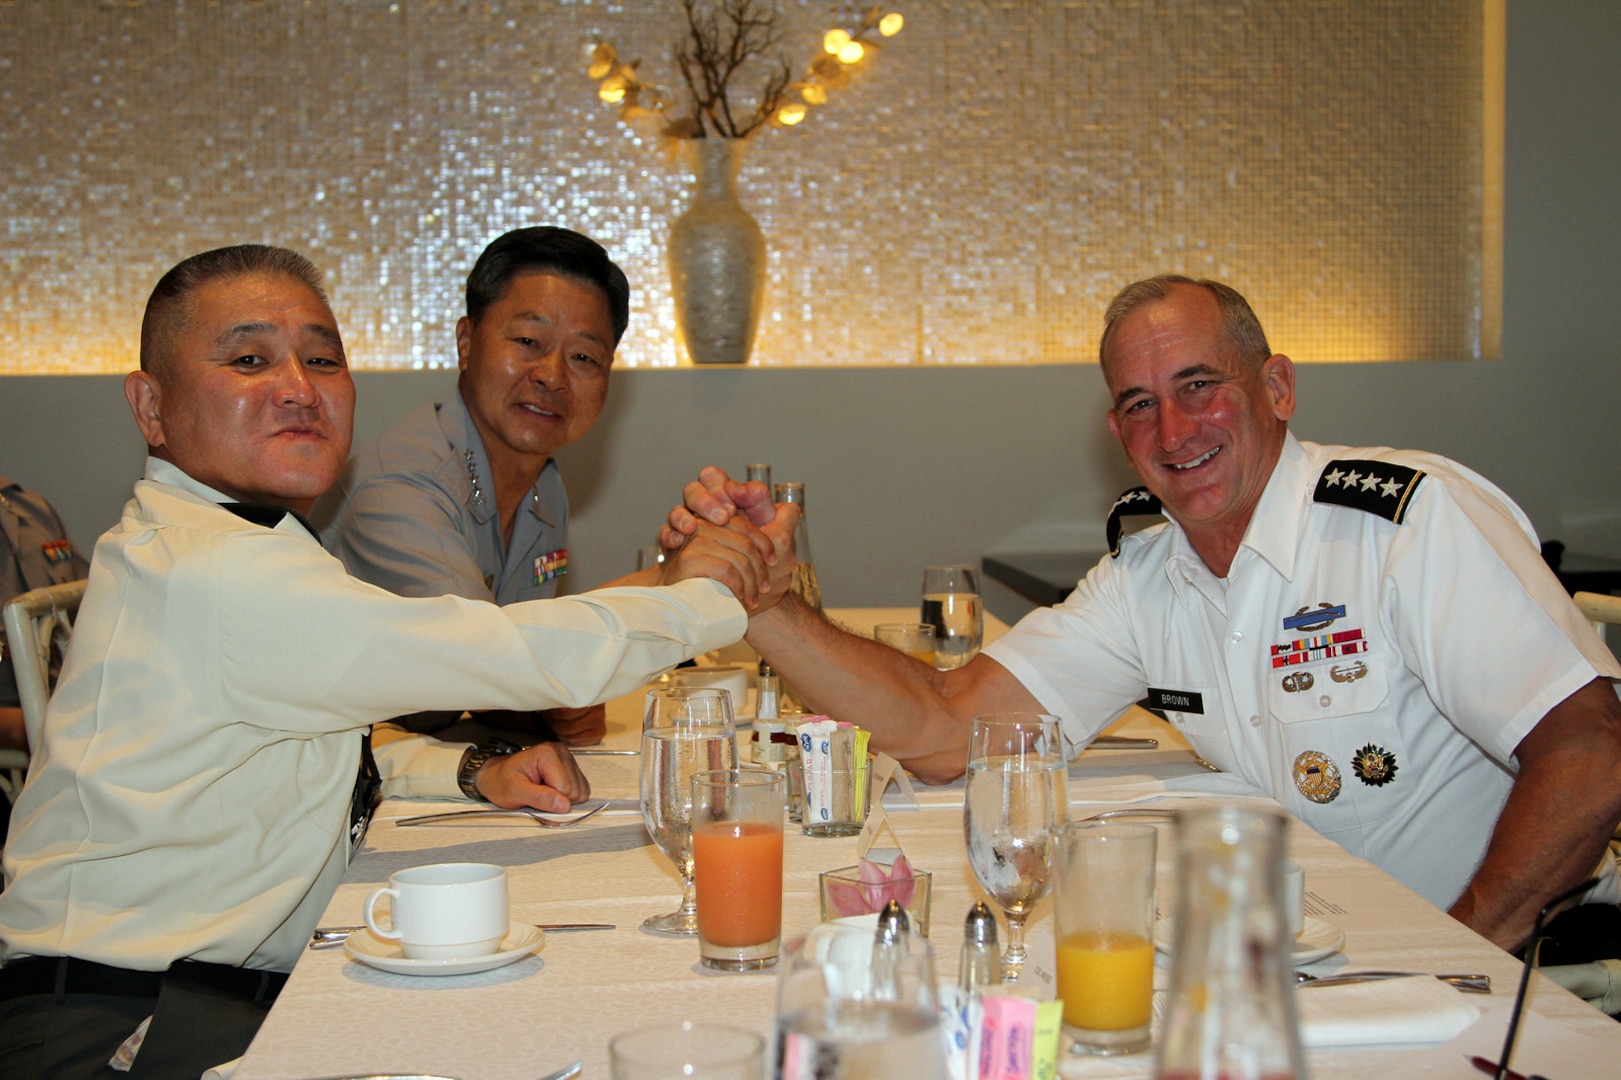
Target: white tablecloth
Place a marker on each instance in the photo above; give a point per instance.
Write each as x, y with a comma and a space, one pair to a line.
338, 1018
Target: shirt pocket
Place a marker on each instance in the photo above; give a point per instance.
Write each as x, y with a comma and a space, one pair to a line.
1344, 686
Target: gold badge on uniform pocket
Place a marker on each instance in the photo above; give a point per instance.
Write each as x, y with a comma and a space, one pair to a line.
1317, 777
1374, 765
1296, 681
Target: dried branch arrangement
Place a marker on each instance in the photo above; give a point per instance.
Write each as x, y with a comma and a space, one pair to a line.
721, 41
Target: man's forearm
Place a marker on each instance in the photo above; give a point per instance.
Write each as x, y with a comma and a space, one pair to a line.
1558, 819
916, 714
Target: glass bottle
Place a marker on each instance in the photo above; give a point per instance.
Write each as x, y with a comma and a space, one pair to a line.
805, 583
759, 471
1231, 1012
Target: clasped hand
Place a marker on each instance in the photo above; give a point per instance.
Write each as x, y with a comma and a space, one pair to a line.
732, 532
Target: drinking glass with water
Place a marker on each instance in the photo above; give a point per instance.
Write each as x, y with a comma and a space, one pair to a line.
952, 606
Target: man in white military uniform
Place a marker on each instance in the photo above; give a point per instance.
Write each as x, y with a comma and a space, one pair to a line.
1369, 636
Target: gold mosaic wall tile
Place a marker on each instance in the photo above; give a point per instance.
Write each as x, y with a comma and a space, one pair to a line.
976, 197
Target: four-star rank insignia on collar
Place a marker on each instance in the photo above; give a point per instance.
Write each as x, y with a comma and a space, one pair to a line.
1379, 487
1374, 765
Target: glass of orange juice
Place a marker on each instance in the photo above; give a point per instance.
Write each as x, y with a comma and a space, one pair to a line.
1103, 894
737, 866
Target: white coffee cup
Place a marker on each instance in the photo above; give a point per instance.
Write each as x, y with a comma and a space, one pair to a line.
733, 678
444, 911
1294, 899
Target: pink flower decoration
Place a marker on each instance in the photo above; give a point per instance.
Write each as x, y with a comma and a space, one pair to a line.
878, 886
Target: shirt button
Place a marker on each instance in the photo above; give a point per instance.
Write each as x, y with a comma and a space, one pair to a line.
1237, 636
1255, 721
1324, 701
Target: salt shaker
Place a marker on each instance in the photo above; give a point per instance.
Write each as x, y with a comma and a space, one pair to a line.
980, 965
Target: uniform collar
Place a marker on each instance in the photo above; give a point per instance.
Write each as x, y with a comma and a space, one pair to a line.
1271, 535
1274, 531
160, 471
468, 448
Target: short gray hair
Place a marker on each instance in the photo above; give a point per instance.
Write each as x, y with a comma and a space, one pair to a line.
1241, 328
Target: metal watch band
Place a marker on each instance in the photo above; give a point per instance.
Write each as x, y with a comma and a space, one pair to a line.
474, 759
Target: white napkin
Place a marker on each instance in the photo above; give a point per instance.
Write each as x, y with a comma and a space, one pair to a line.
1422, 1009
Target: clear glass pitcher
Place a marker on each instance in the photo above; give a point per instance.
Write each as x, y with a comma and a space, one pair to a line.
1231, 1012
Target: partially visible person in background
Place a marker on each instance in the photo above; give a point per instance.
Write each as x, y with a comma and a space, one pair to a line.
35, 551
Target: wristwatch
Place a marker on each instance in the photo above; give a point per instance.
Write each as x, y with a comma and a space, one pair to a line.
474, 759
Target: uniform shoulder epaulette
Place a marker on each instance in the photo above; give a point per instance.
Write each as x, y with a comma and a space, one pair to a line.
1138, 500
1378, 487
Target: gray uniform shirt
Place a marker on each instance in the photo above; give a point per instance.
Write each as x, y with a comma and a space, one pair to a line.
34, 552
419, 518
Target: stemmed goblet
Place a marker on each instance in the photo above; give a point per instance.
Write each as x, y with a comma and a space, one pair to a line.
685, 730
1016, 800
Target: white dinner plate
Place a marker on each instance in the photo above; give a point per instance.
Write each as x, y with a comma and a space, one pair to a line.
1317, 940
521, 940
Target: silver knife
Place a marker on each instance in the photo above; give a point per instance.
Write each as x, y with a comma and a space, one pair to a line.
1469, 984
1122, 742
330, 937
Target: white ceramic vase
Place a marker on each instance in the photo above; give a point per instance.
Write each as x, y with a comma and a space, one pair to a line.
717, 260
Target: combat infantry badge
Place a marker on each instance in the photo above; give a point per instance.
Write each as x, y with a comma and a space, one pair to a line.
1374, 765
1317, 777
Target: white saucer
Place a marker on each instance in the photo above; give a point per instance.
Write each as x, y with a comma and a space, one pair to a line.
1317, 939
521, 940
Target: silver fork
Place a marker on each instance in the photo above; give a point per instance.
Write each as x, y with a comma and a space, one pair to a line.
533, 815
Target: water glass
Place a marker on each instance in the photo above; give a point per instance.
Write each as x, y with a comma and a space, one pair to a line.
1103, 904
849, 1008
1015, 801
684, 731
912, 638
687, 1049
737, 866
951, 605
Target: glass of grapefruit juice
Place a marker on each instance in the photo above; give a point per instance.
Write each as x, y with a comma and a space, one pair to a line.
737, 820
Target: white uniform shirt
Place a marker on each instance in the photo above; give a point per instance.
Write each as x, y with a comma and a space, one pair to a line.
189, 792
1467, 640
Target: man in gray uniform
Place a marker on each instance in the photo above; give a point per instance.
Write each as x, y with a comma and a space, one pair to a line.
464, 497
